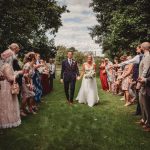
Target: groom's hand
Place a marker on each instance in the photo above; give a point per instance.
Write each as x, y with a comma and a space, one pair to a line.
61, 80
78, 78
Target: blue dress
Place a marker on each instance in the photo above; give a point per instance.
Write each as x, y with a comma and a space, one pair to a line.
37, 86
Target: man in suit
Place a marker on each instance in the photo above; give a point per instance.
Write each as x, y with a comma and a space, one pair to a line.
143, 70
52, 73
69, 74
146, 81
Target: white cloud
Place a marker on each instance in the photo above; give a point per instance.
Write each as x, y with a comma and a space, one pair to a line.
74, 31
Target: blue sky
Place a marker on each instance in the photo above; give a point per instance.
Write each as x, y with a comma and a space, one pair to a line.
74, 32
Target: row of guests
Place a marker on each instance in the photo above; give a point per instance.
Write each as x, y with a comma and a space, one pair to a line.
35, 79
130, 77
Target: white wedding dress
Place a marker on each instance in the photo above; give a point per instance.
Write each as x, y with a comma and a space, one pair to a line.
88, 93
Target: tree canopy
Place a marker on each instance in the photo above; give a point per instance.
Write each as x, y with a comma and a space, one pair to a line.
122, 24
24, 21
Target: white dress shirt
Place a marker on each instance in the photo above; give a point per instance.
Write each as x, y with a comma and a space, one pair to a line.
70, 61
52, 68
135, 60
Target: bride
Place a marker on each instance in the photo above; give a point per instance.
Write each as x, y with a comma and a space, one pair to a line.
88, 93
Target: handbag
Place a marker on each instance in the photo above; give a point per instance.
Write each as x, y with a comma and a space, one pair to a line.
15, 88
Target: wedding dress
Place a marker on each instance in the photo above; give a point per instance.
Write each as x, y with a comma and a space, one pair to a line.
88, 93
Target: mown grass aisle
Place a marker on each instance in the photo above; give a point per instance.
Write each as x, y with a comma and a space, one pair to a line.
58, 126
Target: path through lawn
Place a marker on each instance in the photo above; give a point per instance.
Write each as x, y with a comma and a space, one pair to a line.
58, 126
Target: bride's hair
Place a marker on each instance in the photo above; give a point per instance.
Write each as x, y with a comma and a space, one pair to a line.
90, 55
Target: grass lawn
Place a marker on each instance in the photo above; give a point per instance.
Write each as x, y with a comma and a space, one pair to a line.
58, 126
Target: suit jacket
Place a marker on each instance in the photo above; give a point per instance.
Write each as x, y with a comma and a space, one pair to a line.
69, 72
16, 67
144, 65
147, 86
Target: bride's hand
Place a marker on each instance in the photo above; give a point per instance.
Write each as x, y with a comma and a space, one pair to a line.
78, 78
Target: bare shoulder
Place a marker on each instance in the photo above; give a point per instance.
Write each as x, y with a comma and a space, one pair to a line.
94, 64
84, 64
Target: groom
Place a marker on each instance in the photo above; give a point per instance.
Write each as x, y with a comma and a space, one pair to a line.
69, 74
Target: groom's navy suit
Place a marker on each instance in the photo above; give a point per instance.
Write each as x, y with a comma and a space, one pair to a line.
69, 74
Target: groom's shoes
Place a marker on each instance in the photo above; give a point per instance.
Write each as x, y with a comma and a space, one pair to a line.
70, 102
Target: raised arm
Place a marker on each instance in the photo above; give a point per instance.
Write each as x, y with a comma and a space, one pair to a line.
134, 60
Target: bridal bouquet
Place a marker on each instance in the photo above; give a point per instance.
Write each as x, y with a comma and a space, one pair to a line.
90, 74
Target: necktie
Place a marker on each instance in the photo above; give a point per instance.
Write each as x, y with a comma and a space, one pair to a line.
70, 62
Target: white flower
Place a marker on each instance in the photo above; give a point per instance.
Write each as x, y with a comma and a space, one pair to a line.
90, 74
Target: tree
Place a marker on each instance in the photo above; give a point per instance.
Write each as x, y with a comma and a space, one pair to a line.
24, 21
123, 24
62, 54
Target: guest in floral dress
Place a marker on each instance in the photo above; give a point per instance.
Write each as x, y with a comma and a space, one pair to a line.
109, 73
126, 81
27, 85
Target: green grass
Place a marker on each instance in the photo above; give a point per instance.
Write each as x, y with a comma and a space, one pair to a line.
57, 126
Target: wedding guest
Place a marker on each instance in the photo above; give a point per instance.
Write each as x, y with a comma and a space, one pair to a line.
37, 79
103, 75
143, 69
146, 81
9, 106
109, 73
136, 62
119, 82
44, 70
27, 84
16, 66
52, 72
126, 82
115, 74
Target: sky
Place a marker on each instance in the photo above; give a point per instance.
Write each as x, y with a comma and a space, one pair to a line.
74, 32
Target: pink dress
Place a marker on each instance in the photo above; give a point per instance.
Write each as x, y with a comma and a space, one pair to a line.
9, 106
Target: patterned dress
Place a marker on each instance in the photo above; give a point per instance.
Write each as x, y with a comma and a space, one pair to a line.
9, 105
27, 90
37, 86
126, 80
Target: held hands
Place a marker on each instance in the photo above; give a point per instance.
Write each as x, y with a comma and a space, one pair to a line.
78, 78
62, 81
